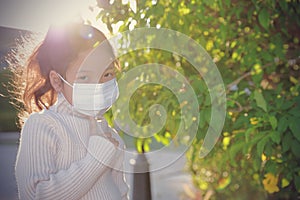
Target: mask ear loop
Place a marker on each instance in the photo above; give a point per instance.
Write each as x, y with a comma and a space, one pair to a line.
92, 127
66, 82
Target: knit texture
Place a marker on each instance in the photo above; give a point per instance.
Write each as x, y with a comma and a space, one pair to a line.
58, 158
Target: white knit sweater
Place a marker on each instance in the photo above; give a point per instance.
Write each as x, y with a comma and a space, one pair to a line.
59, 159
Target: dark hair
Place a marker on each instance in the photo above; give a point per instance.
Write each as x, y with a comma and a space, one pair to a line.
57, 51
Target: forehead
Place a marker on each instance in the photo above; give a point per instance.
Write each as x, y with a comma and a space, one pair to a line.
95, 60
98, 59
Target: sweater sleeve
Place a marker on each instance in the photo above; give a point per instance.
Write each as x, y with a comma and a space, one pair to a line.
36, 173
119, 178
118, 171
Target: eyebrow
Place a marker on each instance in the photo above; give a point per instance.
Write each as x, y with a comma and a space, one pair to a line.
110, 67
89, 71
83, 71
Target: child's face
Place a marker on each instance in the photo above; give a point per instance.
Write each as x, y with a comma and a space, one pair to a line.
97, 68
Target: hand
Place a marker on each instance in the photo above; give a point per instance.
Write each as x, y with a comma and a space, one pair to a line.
93, 127
111, 139
95, 131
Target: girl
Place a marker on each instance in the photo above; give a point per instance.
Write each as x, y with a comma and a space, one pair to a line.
67, 150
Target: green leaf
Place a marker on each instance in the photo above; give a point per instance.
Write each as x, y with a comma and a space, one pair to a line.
283, 5
282, 124
286, 142
275, 136
147, 145
264, 18
248, 134
139, 145
261, 145
273, 122
268, 57
297, 182
260, 100
296, 148
233, 151
271, 167
227, 2
257, 78
295, 128
288, 104
257, 163
295, 112
284, 182
157, 137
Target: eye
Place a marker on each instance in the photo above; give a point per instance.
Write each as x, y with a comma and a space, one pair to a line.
83, 78
108, 74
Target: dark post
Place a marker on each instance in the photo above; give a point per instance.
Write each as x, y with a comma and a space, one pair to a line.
141, 179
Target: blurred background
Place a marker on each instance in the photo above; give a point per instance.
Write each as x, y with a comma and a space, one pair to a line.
8, 43
9, 132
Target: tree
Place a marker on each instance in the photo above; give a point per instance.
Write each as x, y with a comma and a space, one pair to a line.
255, 45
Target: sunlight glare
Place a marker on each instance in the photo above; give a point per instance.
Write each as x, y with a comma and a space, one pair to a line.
81, 11
67, 11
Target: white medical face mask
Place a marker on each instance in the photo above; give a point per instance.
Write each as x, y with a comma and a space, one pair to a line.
94, 99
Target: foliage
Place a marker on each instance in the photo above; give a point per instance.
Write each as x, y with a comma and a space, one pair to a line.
8, 113
255, 44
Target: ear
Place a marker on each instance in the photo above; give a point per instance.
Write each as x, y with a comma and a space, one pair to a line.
55, 81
